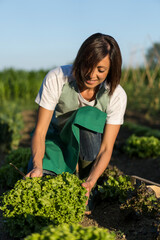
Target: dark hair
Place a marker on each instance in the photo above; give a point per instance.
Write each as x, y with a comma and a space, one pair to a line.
91, 52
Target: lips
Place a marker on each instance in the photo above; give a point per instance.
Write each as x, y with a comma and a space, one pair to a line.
91, 81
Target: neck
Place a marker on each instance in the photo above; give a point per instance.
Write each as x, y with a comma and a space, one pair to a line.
89, 93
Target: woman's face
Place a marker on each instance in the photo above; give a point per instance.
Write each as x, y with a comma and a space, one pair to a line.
98, 74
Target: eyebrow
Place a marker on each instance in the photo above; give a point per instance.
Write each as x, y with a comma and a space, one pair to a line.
102, 67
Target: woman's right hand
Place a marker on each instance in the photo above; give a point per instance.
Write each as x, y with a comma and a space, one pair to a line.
36, 172
38, 141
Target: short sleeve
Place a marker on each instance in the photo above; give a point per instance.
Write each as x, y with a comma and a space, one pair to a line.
50, 90
116, 107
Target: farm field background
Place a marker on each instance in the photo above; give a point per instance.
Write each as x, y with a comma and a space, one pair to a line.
18, 90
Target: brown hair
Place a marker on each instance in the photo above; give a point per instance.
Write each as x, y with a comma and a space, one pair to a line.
91, 52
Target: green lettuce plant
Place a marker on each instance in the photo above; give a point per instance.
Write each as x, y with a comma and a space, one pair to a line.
37, 202
142, 147
142, 201
72, 232
116, 188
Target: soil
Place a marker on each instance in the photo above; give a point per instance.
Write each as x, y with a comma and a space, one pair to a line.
108, 214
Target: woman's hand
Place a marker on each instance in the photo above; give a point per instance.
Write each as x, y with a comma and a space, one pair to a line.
38, 141
36, 172
88, 186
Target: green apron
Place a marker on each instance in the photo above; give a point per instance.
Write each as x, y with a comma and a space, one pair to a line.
62, 148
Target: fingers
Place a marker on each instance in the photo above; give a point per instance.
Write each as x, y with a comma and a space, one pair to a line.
86, 185
35, 173
28, 175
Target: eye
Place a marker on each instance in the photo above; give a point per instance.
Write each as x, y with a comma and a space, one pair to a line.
101, 71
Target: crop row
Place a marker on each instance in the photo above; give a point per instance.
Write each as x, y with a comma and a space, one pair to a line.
11, 125
19, 84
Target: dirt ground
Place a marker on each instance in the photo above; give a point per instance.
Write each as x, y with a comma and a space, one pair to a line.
108, 214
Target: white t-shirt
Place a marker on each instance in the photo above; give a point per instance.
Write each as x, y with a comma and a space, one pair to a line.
51, 88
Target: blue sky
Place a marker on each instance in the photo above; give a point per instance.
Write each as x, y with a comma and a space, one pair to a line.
38, 34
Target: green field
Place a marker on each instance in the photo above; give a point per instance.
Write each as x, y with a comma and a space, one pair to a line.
142, 86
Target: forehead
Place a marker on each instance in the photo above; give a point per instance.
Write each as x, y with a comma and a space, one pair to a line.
105, 62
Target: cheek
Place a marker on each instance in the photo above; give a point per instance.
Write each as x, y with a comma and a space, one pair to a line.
104, 76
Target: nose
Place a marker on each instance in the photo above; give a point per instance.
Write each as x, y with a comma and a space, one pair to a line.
94, 74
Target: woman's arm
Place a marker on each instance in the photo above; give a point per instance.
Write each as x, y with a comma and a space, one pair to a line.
38, 141
103, 157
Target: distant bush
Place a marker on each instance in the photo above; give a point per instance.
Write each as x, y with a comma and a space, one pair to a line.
8, 175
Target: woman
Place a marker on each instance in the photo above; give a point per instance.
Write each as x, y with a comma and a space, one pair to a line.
91, 84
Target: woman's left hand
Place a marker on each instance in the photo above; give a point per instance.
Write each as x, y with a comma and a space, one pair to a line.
88, 186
